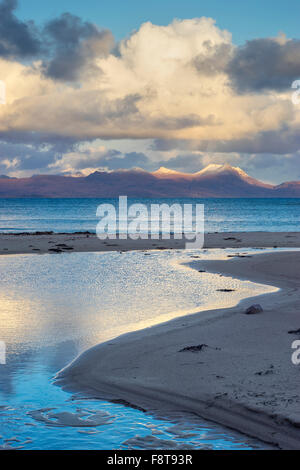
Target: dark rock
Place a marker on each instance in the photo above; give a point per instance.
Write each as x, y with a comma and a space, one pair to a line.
54, 250
256, 308
194, 348
266, 372
294, 332
225, 290
82, 233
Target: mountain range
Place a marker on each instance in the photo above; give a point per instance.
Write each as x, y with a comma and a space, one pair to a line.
212, 181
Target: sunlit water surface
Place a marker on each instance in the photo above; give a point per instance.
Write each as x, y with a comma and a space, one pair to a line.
55, 306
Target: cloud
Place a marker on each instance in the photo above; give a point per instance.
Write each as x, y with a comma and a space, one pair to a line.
214, 60
125, 161
282, 142
67, 45
17, 38
185, 162
74, 44
188, 121
160, 85
19, 158
265, 64
86, 158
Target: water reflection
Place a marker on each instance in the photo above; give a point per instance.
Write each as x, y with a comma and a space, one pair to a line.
90, 297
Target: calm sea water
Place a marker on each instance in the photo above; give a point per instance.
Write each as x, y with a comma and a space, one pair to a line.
72, 215
55, 306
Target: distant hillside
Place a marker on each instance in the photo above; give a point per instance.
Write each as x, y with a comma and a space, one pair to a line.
212, 181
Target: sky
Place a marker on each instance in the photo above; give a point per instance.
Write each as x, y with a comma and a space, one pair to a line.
245, 19
122, 84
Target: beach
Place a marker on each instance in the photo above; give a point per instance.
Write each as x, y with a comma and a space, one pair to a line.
240, 375
50, 242
219, 364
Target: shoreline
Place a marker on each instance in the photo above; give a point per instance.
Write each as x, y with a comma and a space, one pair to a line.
55, 243
243, 377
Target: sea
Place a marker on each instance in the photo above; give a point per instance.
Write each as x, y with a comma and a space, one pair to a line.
220, 215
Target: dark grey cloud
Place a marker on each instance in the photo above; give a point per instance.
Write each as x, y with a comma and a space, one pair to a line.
29, 156
274, 167
38, 139
183, 122
111, 159
120, 108
277, 142
214, 60
74, 44
36, 160
164, 145
265, 64
281, 142
187, 163
18, 39
118, 161
67, 45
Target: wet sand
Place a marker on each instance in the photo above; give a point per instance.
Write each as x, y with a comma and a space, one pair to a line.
45, 242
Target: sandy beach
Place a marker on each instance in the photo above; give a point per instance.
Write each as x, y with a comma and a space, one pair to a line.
47, 242
241, 375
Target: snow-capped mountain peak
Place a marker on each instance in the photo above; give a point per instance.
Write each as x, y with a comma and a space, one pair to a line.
164, 172
215, 168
